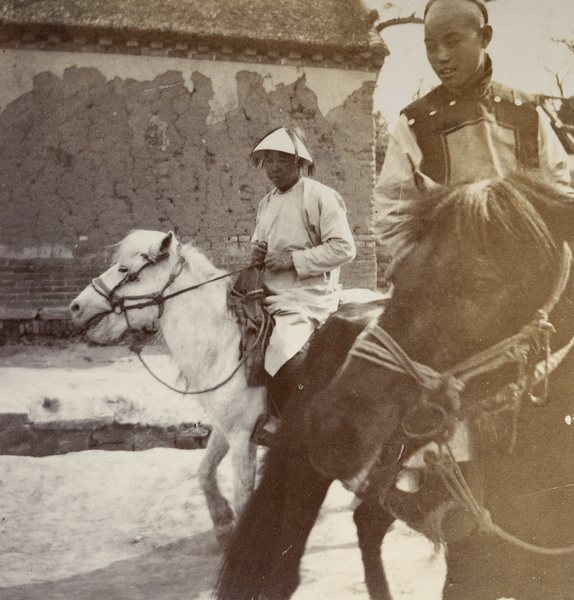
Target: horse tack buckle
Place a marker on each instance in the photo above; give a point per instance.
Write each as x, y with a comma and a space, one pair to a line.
117, 304
439, 420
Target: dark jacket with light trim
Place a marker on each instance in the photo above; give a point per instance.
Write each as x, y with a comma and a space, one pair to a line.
451, 139
438, 119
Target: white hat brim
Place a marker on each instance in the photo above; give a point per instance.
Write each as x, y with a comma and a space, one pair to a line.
280, 141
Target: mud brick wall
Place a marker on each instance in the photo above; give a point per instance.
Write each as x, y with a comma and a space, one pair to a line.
43, 283
92, 147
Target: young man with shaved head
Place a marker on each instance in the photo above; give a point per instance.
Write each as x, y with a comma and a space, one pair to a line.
468, 128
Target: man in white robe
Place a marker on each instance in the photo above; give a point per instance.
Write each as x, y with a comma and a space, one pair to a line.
303, 237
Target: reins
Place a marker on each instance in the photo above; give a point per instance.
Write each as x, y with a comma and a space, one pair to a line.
375, 345
262, 331
118, 305
446, 466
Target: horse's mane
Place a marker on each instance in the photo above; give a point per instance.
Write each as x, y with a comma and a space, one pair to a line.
487, 212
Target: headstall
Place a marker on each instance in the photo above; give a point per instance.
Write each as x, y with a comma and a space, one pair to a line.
118, 305
375, 345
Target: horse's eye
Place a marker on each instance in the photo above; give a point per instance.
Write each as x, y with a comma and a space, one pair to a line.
122, 269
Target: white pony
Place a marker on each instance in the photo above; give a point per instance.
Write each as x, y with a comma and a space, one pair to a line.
140, 292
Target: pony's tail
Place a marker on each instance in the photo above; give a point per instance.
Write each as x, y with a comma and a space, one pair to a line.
252, 553
263, 558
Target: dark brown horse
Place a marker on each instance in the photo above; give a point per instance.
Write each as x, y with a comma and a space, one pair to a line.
464, 338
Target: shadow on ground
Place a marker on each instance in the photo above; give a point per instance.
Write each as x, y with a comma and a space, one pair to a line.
183, 570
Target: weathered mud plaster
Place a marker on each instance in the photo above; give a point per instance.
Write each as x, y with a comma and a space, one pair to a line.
332, 87
92, 146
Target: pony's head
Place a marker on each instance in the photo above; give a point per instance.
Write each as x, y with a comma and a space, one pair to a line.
475, 264
128, 295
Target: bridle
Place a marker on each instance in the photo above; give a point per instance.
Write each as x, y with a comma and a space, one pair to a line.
377, 346
118, 305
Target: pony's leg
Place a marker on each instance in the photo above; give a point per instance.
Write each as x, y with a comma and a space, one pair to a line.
372, 522
221, 512
305, 491
244, 461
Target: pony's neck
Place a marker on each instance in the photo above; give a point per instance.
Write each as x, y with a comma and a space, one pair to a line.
200, 331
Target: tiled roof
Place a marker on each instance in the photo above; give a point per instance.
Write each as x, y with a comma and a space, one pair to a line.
317, 30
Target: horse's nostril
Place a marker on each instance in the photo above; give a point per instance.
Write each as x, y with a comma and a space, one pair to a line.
74, 307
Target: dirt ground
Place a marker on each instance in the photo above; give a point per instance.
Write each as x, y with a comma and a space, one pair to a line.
134, 525
120, 525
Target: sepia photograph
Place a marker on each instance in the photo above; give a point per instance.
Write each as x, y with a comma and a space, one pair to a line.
286, 300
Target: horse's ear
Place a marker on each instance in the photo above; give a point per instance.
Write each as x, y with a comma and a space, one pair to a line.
165, 244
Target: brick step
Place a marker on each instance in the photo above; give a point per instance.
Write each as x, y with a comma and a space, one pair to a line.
20, 436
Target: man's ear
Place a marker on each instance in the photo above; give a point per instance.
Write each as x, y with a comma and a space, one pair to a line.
486, 33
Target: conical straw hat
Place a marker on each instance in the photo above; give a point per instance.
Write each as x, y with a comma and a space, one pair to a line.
280, 141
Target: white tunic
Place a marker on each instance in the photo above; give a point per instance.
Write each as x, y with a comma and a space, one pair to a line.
310, 222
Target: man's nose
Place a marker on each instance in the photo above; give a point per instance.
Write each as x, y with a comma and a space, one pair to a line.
442, 53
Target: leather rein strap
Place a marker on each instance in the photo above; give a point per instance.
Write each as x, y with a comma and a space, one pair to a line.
375, 345
118, 305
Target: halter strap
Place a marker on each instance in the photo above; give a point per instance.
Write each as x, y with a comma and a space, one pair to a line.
118, 305
375, 345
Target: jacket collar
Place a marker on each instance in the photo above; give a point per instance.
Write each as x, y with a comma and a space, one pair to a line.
477, 87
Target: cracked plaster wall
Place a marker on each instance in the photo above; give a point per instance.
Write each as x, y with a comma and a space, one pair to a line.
92, 146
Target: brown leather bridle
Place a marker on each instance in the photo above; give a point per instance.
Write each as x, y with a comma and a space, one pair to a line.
118, 306
377, 346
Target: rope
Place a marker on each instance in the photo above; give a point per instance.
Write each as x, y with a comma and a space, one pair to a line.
158, 298
187, 392
453, 479
263, 330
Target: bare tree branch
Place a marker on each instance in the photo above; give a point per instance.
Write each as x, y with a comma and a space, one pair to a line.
568, 43
403, 20
558, 80
399, 21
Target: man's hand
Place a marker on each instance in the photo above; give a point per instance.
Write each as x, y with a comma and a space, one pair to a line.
258, 252
279, 262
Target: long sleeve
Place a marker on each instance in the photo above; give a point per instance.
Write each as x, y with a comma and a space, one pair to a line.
552, 156
396, 188
326, 220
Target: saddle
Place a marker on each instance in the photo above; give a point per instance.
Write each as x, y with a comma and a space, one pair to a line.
245, 299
